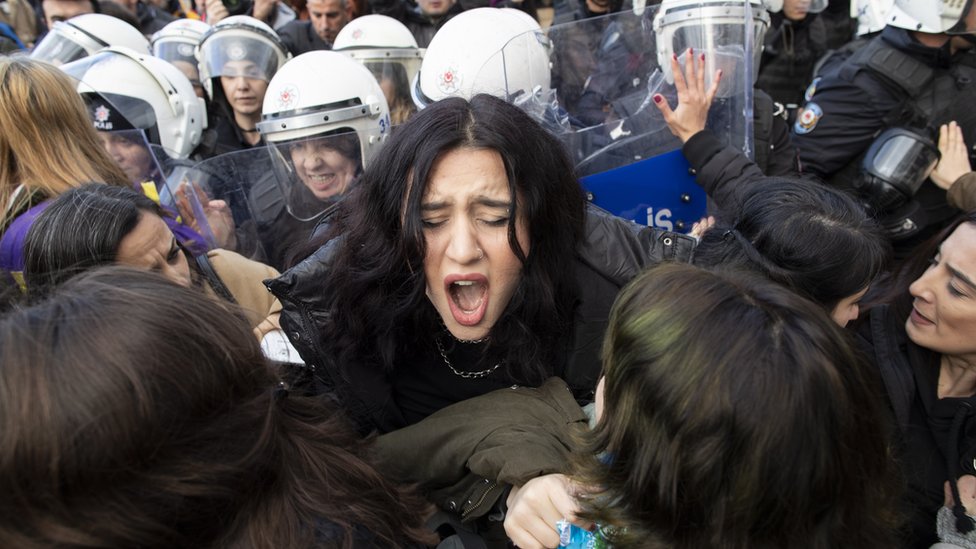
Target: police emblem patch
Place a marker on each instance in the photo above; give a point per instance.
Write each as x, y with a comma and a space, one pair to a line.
357, 34
807, 120
236, 52
449, 82
288, 97
811, 89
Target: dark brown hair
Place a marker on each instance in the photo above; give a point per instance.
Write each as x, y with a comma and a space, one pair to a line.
138, 413
736, 415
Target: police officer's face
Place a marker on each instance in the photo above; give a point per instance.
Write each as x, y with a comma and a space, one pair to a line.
943, 315
328, 17
133, 157
796, 10
435, 8
61, 10
471, 270
244, 87
322, 169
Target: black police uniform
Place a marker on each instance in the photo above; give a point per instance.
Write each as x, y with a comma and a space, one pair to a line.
892, 81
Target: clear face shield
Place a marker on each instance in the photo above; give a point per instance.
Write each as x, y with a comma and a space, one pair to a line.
65, 43
717, 30
235, 54
180, 54
311, 173
394, 77
520, 72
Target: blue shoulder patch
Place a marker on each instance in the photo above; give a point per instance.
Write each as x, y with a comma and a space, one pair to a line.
807, 120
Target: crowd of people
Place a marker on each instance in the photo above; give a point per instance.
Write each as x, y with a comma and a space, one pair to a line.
328, 273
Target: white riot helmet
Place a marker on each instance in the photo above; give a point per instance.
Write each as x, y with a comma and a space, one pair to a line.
812, 6
129, 90
500, 52
871, 15
302, 116
932, 16
84, 35
388, 49
239, 45
715, 28
177, 43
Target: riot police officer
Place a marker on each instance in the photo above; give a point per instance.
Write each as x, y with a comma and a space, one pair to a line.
918, 74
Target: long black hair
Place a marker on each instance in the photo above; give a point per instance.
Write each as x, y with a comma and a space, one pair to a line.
816, 240
377, 281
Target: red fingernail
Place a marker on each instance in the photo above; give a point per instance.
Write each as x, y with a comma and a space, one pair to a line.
691, 51
658, 98
703, 57
674, 56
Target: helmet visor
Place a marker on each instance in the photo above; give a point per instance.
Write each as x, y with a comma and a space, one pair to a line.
394, 78
63, 44
235, 55
312, 173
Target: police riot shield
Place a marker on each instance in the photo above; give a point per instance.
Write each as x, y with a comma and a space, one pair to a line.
259, 203
598, 98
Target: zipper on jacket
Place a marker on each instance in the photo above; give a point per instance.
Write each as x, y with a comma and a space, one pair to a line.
465, 513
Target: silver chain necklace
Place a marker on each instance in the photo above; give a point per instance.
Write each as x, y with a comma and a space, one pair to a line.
465, 375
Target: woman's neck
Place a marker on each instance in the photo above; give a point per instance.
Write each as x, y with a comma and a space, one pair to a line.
248, 124
957, 377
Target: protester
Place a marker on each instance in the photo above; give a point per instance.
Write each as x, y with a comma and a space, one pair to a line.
750, 447
137, 413
458, 266
47, 146
921, 339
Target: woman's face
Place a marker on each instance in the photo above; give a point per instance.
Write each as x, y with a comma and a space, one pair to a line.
943, 315
151, 246
470, 268
133, 157
244, 87
796, 10
848, 308
325, 171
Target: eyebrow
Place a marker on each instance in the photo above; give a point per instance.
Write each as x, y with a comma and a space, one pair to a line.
480, 201
966, 280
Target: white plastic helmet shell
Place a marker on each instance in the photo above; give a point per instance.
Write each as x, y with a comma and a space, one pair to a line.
374, 31
722, 20
933, 16
496, 51
298, 104
180, 115
239, 29
84, 35
188, 32
871, 15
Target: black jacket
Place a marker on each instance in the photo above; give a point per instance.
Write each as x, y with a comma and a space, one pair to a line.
614, 251
924, 422
300, 37
421, 26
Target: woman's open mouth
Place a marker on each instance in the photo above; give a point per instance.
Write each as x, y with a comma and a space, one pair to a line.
467, 298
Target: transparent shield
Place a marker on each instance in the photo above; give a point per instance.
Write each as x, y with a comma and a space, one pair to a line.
251, 200
605, 72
